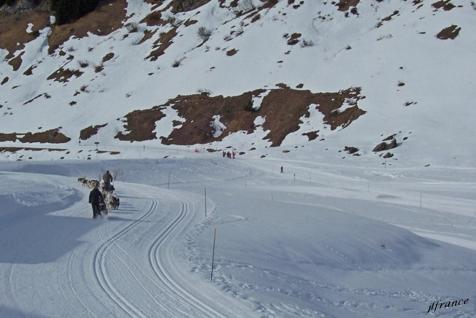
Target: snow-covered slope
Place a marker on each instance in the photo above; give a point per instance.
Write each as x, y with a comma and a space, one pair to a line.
409, 65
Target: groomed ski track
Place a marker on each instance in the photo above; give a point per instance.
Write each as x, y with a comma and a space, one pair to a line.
171, 295
126, 264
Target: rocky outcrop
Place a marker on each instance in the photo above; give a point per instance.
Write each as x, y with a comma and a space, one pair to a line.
383, 146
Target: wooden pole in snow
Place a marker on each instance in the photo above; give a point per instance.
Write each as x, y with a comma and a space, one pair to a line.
205, 201
213, 253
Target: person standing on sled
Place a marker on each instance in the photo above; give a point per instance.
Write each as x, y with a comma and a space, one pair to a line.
107, 177
95, 198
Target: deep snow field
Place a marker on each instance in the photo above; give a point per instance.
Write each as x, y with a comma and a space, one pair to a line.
318, 240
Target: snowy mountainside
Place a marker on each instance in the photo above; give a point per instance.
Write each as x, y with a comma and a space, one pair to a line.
308, 77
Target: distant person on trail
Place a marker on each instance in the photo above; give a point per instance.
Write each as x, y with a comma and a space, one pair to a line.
224, 154
95, 198
282, 169
107, 177
233, 154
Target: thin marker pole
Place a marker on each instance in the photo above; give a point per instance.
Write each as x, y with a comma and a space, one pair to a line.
205, 202
294, 177
213, 253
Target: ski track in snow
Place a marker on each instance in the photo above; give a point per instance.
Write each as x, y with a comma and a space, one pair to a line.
101, 274
156, 262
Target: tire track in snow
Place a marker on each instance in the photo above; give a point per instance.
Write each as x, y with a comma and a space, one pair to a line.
161, 272
100, 274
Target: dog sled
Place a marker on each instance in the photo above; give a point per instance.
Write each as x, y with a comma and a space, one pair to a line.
111, 200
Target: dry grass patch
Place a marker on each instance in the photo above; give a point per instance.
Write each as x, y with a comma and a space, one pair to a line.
53, 136
282, 107
153, 19
450, 32
13, 35
345, 5
15, 149
141, 125
164, 41
16, 61
90, 131
63, 75
443, 4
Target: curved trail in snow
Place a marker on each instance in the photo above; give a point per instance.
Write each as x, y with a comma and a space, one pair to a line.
159, 248
156, 282
101, 273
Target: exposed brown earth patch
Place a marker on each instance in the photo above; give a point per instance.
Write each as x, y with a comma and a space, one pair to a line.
190, 22
386, 19
282, 85
141, 125
186, 5
450, 32
282, 107
63, 75
445, 4
8, 137
345, 5
29, 71
90, 131
109, 152
312, 135
154, 19
269, 4
15, 38
53, 136
15, 149
147, 36
164, 41
294, 39
231, 52
107, 57
255, 18
106, 18
16, 62
383, 146
351, 150
199, 109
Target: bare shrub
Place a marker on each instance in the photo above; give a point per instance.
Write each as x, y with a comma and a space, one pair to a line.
204, 33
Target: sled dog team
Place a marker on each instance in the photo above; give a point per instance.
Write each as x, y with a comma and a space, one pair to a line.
102, 197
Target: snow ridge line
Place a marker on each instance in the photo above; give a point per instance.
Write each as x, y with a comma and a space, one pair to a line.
100, 273
161, 272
